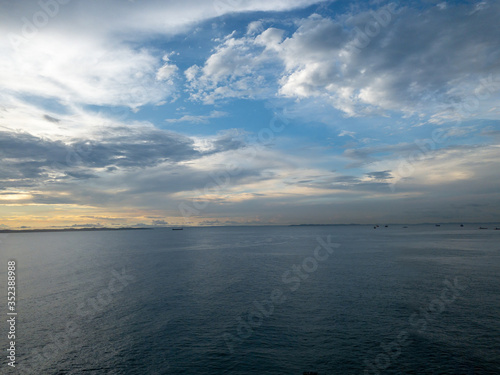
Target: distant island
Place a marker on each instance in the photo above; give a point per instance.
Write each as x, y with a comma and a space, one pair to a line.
65, 230
493, 223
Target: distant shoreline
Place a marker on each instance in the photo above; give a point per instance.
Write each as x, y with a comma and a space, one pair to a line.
65, 230
395, 224
467, 225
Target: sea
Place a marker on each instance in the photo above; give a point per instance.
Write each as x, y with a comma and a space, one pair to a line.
271, 300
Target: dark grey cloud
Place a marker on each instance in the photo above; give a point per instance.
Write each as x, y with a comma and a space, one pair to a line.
86, 225
227, 142
103, 218
416, 151
371, 154
24, 158
492, 133
81, 175
345, 179
134, 149
51, 119
28, 160
382, 175
159, 222
186, 178
26, 146
350, 183
444, 202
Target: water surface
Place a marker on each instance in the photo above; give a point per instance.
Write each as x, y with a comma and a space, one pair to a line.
184, 302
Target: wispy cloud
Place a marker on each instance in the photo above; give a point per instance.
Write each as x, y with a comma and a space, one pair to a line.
198, 119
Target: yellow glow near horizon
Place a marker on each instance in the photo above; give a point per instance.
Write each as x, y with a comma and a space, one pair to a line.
45, 216
15, 196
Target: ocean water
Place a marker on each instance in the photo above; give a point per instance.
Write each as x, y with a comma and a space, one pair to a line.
256, 300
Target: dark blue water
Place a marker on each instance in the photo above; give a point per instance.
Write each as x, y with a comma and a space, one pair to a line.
256, 300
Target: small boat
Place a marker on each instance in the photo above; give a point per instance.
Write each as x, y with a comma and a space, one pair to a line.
438, 225
497, 228
482, 228
387, 226
177, 228
405, 227
461, 225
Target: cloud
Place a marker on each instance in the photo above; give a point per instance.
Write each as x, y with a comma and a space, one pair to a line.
29, 161
88, 53
70, 93
367, 63
343, 133
367, 155
135, 19
119, 166
450, 172
159, 222
127, 148
393, 70
237, 69
81, 70
96, 225
168, 71
255, 27
51, 119
198, 119
382, 175
347, 186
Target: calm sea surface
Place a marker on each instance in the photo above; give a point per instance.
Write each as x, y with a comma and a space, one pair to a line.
256, 300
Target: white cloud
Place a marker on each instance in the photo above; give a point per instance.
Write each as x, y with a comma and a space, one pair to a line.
254, 27
133, 19
236, 69
368, 63
83, 52
393, 71
270, 38
83, 71
343, 133
167, 72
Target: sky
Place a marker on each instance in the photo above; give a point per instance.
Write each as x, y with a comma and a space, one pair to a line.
238, 112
